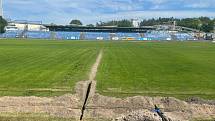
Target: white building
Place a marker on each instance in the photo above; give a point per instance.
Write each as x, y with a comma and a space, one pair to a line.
136, 23
213, 36
24, 25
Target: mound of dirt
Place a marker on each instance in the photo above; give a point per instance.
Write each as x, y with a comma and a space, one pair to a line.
141, 115
197, 100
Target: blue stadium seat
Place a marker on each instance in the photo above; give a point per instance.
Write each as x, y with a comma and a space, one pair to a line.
38, 35
152, 35
135, 36
96, 35
184, 36
11, 34
68, 35
157, 35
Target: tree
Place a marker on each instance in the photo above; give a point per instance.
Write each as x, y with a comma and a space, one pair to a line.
90, 25
3, 23
202, 23
214, 24
76, 22
194, 23
207, 24
125, 23
119, 23
208, 27
159, 21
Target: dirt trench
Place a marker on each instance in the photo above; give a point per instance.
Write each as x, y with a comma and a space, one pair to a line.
132, 108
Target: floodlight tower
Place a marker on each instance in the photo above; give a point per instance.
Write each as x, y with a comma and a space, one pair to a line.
1, 8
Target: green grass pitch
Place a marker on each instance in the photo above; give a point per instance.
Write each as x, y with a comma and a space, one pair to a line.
47, 68
43, 68
178, 69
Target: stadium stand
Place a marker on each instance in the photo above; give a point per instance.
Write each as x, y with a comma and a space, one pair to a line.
184, 36
11, 34
134, 36
37, 35
67, 35
97, 36
157, 35
151, 35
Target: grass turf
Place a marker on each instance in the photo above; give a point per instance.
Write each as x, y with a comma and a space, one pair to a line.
178, 69
49, 68
43, 68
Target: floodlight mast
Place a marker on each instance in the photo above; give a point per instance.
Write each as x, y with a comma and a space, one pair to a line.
1, 8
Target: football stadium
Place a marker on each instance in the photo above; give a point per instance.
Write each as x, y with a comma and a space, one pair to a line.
154, 69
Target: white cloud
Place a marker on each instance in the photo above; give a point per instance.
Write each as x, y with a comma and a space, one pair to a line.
153, 14
91, 11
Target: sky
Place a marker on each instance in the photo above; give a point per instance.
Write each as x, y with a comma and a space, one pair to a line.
92, 11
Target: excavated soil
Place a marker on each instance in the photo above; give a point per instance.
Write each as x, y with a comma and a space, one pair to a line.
131, 108
138, 108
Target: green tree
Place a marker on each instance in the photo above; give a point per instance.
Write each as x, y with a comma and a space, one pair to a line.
76, 22
207, 24
151, 22
125, 23
208, 27
90, 25
3, 23
120, 23
194, 23
202, 23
